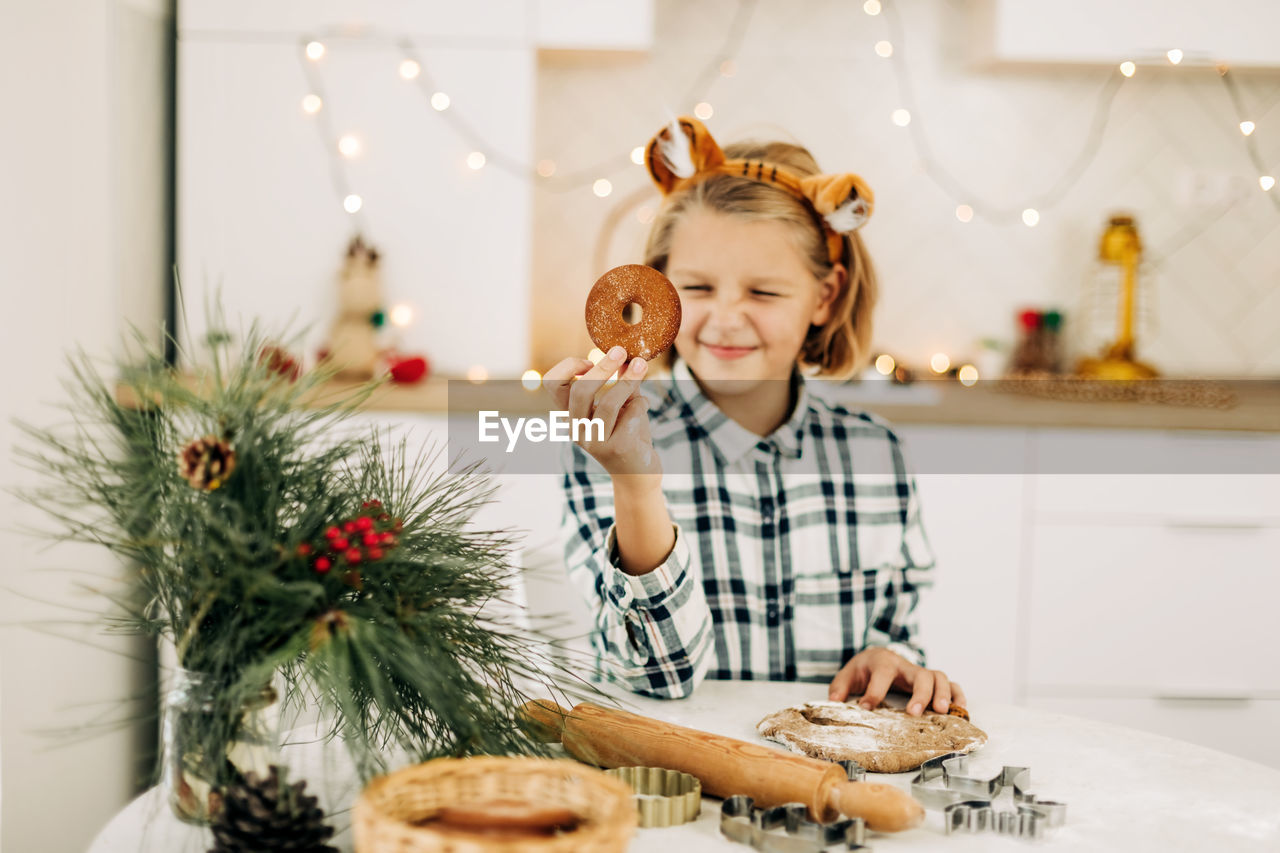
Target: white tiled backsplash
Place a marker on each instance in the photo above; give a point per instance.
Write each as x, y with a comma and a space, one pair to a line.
808, 71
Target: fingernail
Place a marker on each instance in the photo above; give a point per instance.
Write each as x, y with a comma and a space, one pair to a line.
916, 709
637, 366
832, 696
945, 706
617, 353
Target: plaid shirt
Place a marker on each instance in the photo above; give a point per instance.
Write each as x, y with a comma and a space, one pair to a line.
793, 552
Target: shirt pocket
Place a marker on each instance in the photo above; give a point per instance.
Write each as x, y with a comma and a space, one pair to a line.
860, 529
864, 551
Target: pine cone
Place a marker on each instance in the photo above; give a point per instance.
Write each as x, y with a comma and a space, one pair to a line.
270, 815
206, 462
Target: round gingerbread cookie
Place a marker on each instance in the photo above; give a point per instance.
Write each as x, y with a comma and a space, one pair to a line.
659, 306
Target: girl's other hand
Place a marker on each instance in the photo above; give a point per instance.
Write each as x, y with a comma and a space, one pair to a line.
580, 387
872, 672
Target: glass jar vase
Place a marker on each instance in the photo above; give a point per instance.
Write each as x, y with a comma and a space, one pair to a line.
210, 738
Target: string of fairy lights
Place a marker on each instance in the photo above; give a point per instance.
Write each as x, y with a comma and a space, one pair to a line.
411, 68
1029, 211
969, 204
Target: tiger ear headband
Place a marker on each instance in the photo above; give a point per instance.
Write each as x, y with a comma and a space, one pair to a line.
684, 153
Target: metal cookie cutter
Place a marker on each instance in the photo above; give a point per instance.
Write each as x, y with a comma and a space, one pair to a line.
966, 801
663, 797
742, 822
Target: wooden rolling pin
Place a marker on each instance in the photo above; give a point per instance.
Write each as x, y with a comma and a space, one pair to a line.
607, 737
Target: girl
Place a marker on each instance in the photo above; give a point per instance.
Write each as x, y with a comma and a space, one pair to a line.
739, 527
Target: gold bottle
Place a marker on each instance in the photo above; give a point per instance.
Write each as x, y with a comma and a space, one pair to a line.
1121, 246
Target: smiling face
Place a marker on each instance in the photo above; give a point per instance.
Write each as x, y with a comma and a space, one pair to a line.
747, 296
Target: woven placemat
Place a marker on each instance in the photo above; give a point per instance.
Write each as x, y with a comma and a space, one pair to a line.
1191, 393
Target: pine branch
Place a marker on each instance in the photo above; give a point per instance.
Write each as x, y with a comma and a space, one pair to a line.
227, 494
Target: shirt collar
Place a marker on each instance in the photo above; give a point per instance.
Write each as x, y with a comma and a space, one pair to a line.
730, 440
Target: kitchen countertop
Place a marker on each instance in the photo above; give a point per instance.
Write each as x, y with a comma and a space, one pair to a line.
1256, 405
1125, 790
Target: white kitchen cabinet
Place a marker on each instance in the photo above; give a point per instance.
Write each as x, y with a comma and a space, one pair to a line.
1150, 597
1240, 726
1179, 478
493, 21
974, 522
968, 623
1107, 32
1154, 608
591, 25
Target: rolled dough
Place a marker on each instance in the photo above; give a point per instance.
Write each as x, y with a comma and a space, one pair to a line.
885, 740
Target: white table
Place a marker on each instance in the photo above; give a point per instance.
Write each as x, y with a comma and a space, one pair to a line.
1124, 789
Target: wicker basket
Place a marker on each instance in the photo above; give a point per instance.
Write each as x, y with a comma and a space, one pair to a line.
389, 815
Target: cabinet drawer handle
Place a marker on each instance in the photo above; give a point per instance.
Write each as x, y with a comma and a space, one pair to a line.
1198, 524
1183, 698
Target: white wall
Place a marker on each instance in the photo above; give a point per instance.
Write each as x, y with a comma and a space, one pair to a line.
81, 250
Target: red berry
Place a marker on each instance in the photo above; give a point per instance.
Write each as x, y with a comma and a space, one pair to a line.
375, 503
353, 556
304, 549
279, 361
364, 522
370, 539
323, 564
332, 533
341, 544
399, 525
349, 527
364, 505
408, 370
375, 553
383, 517
388, 539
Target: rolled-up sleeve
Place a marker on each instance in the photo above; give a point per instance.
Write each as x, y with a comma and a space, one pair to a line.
652, 632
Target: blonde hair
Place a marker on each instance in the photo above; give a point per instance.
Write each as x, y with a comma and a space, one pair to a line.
839, 347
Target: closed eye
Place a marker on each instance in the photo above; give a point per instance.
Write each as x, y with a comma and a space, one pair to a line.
701, 288
764, 293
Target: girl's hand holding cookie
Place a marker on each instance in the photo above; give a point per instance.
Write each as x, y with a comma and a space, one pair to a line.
582, 389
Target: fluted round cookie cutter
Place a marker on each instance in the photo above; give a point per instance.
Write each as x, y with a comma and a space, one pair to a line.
663, 797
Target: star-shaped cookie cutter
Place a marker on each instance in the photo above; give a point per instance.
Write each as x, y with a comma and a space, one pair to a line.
966, 801
742, 822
